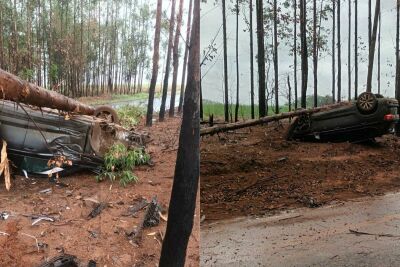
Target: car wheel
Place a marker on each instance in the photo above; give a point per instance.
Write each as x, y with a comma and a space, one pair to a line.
367, 102
107, 113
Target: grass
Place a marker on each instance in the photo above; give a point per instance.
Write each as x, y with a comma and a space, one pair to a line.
119, 163
210, 107
129, 116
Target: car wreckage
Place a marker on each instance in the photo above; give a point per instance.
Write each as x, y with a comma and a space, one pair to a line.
44, 136
370, 116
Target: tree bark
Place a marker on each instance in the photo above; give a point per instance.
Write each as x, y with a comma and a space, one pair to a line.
304, 53
349, 56
276, 67
339, 55
372, 46
251, 60
176, 59
15, 89
226, 104
397, 82
315, 55
295, 55
187, 169
333, 50
168, 62
156, 57
355, 49
261, 58
237, 62
185, 56
379, 52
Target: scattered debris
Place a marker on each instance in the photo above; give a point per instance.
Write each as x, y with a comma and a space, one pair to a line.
98, 208
4, 233
36, 240
152, 215
92, 263
46, 191
132, 210
283, 159
4, 215
5, 166
43, 218
151, 218
64, 260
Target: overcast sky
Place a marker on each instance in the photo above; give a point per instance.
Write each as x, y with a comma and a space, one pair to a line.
211, 21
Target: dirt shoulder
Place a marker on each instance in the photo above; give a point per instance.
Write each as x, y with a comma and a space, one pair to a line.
254, 171
102, 238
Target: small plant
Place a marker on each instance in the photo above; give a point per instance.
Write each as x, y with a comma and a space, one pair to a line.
130, 116
119, 163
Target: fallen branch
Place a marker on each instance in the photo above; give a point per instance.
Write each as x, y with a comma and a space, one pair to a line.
365, 233
277, 117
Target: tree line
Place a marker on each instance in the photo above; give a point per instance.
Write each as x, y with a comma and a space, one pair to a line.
78, 47
302, 26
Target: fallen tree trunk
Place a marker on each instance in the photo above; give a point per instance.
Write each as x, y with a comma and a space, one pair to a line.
15, 89
277, 117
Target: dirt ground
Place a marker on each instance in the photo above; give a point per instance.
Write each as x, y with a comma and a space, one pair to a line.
255, 171
102, 238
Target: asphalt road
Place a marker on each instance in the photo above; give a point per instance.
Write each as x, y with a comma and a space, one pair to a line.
309, 237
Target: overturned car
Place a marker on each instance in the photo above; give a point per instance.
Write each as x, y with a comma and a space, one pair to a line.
371, 116
45, 141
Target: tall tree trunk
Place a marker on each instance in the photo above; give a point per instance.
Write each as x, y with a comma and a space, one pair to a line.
372, 46
260, 58
156, 56
369, 21
237, 62
226, 104
397, 82
251, 60
176, 59
315, 56
333, 50
349, 56
276, 67
304, 53
295, 55
168, 63
185, 56
355, 49
339, 55
289, 94
379, 52
187, 169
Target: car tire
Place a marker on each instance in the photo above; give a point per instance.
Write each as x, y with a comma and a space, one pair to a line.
367, 103
107, 113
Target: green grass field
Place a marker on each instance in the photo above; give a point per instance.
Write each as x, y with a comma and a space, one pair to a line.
210, 107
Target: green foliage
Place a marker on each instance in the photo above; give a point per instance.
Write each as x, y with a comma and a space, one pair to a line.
130, 116
119, 163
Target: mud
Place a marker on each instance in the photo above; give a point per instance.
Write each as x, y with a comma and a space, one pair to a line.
102, 238
255, 171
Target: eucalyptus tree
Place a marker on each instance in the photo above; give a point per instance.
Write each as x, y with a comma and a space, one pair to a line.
168, 61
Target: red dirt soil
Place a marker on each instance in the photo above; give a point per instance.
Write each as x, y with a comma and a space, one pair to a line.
102, 238
255, 171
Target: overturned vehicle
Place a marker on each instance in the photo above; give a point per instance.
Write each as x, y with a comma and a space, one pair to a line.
372, 115
46, 132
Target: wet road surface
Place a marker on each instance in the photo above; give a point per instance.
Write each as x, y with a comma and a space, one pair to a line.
309, 237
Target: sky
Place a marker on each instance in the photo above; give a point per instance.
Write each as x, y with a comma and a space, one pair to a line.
212, 72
